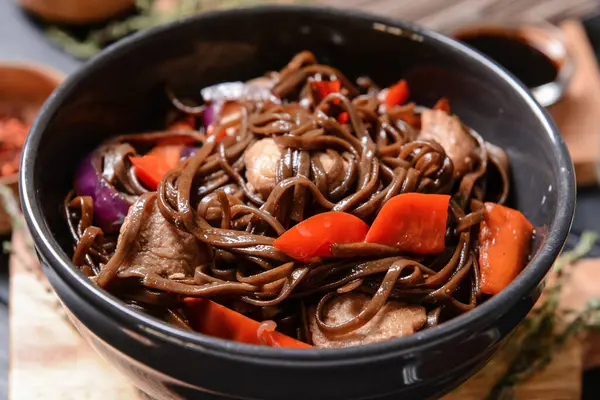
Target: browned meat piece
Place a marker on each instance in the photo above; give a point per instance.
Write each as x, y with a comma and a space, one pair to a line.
395, 319
261, 163
327, 162
448, 131
161, 248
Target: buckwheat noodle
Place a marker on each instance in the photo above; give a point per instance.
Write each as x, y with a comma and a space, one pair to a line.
374, 156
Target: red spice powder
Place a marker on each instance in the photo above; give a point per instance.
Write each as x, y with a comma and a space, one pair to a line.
12, 138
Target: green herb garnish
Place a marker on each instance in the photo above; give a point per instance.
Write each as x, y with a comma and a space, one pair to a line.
148, 13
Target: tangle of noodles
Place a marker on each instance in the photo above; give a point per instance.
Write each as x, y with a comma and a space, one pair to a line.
372, 154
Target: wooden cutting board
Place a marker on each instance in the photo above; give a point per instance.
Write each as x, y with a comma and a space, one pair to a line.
561, 380
577, 114
49, 360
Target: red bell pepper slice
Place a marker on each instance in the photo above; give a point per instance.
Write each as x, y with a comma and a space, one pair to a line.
150, 170
171, 153
504, 244
151, 167
213, 319
219, 132
397, 94
412, 222
315, 236
343, 117
442, 104
321, 89
185, 123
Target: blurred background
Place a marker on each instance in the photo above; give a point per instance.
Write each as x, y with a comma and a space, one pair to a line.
42, 41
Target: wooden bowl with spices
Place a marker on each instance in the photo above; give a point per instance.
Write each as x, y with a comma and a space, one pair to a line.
23, 89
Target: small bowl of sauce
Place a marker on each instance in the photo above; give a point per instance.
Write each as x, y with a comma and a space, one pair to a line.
535, 53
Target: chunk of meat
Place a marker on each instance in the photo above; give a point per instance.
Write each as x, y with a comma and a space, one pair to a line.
161, 248
395, 319
261, 163
327, 161
449, 132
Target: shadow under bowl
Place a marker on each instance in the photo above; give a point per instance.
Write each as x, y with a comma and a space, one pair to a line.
122, 90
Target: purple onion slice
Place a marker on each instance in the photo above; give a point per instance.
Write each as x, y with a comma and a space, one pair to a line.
188, 151
110, 206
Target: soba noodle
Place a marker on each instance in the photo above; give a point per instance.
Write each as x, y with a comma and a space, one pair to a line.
372, 154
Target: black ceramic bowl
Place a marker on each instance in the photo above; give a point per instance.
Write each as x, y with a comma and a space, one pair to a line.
122, 91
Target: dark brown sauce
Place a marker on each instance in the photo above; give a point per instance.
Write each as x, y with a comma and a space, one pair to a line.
514, 53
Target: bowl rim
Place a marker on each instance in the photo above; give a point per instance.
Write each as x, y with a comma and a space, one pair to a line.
482, 315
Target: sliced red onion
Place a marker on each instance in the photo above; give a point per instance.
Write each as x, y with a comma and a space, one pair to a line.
211, 113
110, 206
188, 152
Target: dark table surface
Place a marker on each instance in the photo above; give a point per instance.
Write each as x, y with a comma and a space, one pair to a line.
21, 40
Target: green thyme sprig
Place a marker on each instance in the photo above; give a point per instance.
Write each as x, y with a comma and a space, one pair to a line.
11, 205
9, 201
147, 15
